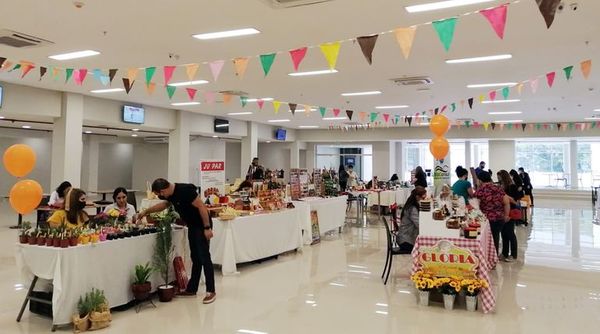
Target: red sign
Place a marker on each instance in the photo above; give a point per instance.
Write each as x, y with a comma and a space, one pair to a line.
206, 166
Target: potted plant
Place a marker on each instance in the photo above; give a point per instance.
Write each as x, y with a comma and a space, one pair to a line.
472, 287
50, 238
41, 238
141, 287
33, 237
24, 236
93, 311
449, 287
163, 251
424, 282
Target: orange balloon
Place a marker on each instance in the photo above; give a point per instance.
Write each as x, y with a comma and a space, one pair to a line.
439, 125
19, 160
439, 147
25, 196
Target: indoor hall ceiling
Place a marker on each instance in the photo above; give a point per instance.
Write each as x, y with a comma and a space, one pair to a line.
144, 33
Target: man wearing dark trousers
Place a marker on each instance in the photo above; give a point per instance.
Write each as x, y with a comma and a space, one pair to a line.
184, 197
527, 186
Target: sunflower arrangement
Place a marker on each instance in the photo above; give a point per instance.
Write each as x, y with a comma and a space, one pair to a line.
423, 281
472, 287
448, 285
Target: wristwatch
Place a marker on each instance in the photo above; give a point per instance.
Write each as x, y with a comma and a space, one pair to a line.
207, 227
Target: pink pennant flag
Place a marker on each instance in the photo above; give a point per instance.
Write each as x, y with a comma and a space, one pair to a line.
550, 78
191, 93
534, 85
546, 126
77, 77
168, 71
216, 67
336, 112
209, 97
297, 56
386, 117
493, 95
497, 18
501, 126
260, 103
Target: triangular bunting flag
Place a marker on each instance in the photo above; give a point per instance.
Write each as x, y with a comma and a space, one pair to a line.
501, 126
510, 126
69, 74
260, 103
493, 95
55, 73
150, 88
308, 110
523, 126
534, 85
520, 88
331, 51
168, 73
149, 74
548, 9
227, 98
267, 61
405, 38
336, 112
297, 56
111, 74
481, 98
293, 107
209, 97
493, 125
215, 68
409, 120
486, 125
240, 65
373, 116
349, 113
42, 72
97, 73
568, 70
26, 67
505, 92
470, 100
7, 64
132, 74
443, 109
497, 18
127, 84
105, 80
243, 101
79, 76
362, 116
276, 106
558, 126
171, 91
2, 60
322, 110
17, 66
445, 31
550, 78
386, 117
191, 93
453, 107
191, 70
586, 68
367, 45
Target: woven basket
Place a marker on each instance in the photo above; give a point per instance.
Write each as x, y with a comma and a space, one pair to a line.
80, 324
100, 320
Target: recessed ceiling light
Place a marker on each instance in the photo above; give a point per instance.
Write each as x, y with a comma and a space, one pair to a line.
134, 135
185, 103
135, 129
505, 112
268, 142
500, 101
1, 117
264, 99
303, 74
373, 92
278, 120
239, 113
215, 136
26, 126
596, 109
592, 118
500, 84
442, 5
248, 331
308, 127
104, 91
228, 33
74, 55
510, 121
478, 59
392, 107
188, 83
88, 132
424, 123
334, 118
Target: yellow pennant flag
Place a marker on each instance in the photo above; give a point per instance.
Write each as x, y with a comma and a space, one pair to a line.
190, 70
276, 105
132, 74
405, 38
331, 51
150, 87
240, 64
520, 88
481, 98
486, 125
227, 98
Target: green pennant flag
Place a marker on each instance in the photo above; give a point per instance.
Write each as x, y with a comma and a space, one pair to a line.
267, 61
568, 70
468, 124
571, 125
509, 126
593, 125
445, 31
373, 116
17, 66
244, 100
505, 92
149, 74
69, 74
171, 91
322, 110
453, 107
538, 126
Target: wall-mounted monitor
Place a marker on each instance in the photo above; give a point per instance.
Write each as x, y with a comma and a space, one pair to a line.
221, 125
280, 134
133, 114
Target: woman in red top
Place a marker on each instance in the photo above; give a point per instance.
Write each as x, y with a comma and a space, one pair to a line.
494, 203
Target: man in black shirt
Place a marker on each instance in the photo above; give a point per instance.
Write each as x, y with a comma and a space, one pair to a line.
184, 198
527, 186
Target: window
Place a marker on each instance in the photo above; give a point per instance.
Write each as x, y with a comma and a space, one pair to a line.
546, 162
479, 152
588, 164
361, 157
417, 154
457, 158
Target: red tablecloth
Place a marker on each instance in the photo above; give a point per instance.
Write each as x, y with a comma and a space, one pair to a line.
483, 248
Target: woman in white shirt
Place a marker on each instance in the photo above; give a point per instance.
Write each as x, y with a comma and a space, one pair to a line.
57, 198
120, 198
352, 177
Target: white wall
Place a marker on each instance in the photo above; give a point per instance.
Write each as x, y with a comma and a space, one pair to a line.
502, 155
115, 165
110, 113
30, 103
383, 159
233, 161
149, 163
204, 149
274, 156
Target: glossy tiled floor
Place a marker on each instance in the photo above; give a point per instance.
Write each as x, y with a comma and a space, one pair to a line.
335, 287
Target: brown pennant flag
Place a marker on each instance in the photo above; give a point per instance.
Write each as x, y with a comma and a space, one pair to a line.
42, 72
293, 107
127, 84
111, 74
349, 113
367, 45
548, 9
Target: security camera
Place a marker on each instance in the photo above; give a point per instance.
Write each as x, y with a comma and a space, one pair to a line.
574, 6
561, 7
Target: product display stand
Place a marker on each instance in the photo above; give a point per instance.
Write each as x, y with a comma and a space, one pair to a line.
141, 303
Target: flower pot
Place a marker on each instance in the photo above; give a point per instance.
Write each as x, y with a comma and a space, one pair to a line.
73, 241
449, 301
23, 239
135, 233
141, 291
84, 239
56, 242
423, 298
166, 293
471, 303
49, 242
94, 238
64, 243
32, 240
103, 236
41, 241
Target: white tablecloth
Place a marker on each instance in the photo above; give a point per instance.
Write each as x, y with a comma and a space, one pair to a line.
107, 266
331, 213
389, 197
256, 237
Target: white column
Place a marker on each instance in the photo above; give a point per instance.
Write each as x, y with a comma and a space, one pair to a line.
574, 181
249, 147
93, 158
67, 141
295, 154
399, 168
468, 162
502, 155
179, 149
311, 156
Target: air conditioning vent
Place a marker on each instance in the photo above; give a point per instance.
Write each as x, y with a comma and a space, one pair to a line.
413, 81
156, 140
292, 3
20, 40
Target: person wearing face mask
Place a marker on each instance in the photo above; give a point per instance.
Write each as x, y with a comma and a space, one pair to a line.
120, 198
409, 220
73, 215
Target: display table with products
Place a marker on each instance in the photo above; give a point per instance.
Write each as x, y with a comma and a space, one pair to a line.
107, 265
256, 237
389, 197
330, 211
482, 247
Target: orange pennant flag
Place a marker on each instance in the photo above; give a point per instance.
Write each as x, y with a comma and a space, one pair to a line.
132, 74
586, 68
307, 110
190, 70
520, 88
240, 64
405, 38
55, 73
227, 98
26, 66
7, 64
150, 88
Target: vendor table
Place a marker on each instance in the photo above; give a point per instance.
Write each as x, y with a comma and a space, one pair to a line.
256, 237
106, 265
331, 212
389, 197
482, 247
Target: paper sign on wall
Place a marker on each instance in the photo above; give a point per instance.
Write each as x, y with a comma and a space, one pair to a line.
212, 175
